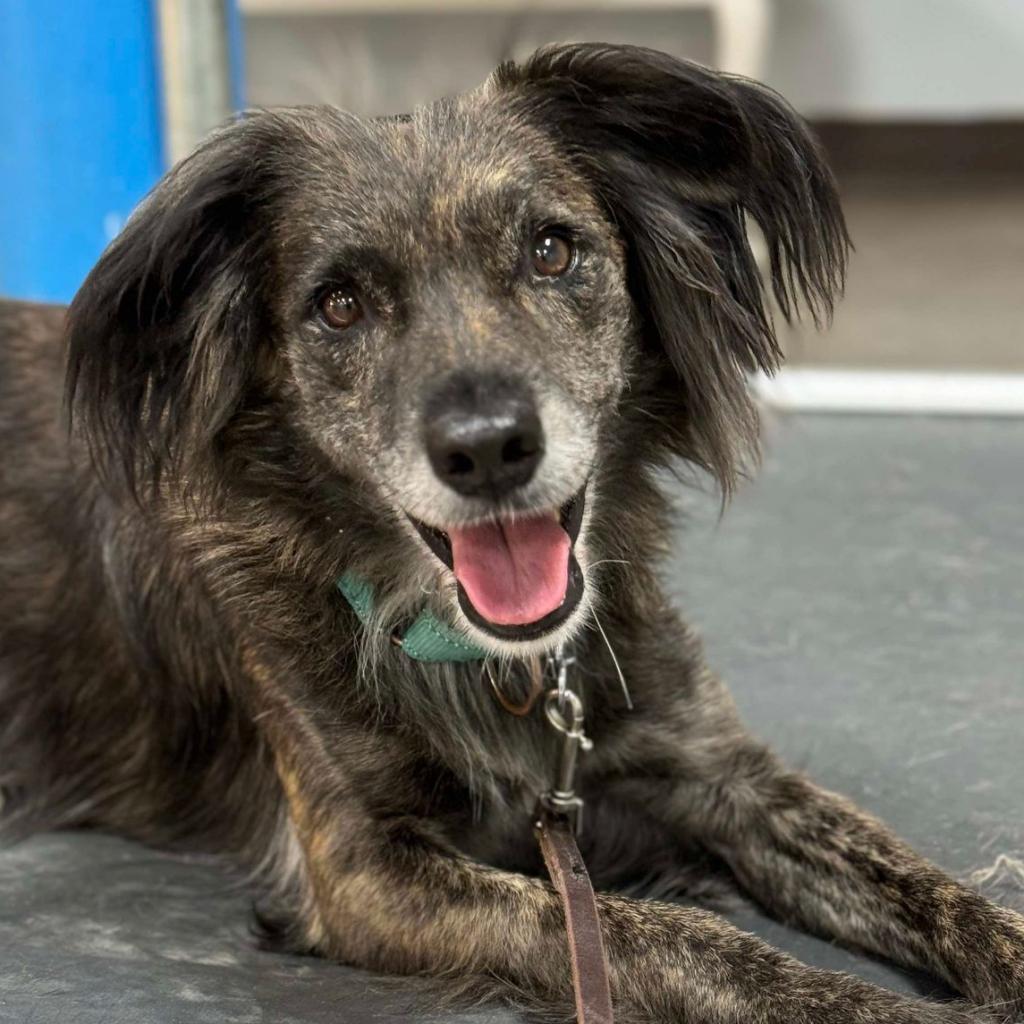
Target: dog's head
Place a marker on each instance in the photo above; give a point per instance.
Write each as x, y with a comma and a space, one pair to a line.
454, 308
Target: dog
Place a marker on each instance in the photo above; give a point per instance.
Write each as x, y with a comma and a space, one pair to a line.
337, 377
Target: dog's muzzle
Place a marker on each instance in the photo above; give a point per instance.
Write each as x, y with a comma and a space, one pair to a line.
517, 575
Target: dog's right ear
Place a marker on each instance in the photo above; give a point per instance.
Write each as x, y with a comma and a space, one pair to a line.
680, 156
164, 333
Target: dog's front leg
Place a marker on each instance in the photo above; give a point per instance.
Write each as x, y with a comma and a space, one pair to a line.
813, 858
386, 891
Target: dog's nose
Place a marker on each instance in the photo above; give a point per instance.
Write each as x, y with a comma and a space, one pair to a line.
483, 436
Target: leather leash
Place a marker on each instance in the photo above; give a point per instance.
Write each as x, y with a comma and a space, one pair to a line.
559, 817
560, 811
582, 924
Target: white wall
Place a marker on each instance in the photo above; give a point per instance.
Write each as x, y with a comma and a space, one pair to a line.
870, 59
860, 59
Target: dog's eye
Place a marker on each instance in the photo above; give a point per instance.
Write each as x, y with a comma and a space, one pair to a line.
340, 308
552, 253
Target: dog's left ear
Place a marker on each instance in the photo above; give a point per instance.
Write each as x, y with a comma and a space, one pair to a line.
164, 333
680, 155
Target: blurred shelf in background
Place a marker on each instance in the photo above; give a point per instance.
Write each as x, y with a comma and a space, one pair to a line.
741, 27
888, 392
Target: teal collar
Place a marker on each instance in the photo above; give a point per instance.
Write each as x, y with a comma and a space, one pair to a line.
427, 639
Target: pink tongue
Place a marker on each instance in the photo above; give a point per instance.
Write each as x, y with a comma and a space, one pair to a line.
514, 572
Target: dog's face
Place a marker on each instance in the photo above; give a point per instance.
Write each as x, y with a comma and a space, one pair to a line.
455, 321
452, 306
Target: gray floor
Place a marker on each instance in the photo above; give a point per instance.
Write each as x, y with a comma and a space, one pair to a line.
864, 599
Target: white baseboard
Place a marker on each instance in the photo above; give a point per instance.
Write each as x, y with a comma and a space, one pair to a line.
894, 391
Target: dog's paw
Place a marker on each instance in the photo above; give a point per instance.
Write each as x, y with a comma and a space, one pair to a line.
996, 984
849, 1000
912, 1011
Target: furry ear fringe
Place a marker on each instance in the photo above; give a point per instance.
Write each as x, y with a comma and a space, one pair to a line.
681, 156
161, 337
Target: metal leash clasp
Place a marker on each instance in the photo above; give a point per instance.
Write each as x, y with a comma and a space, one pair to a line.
564, 710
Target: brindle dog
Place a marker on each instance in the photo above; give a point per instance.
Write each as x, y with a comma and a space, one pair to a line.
414, 349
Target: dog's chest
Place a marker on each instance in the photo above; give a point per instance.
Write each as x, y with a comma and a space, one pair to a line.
499, 833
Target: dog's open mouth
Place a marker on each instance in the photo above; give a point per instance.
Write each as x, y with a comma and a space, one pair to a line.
517, 578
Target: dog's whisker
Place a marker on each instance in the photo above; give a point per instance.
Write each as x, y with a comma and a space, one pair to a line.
615, 659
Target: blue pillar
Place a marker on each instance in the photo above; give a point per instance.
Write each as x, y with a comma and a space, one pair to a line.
80, 135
